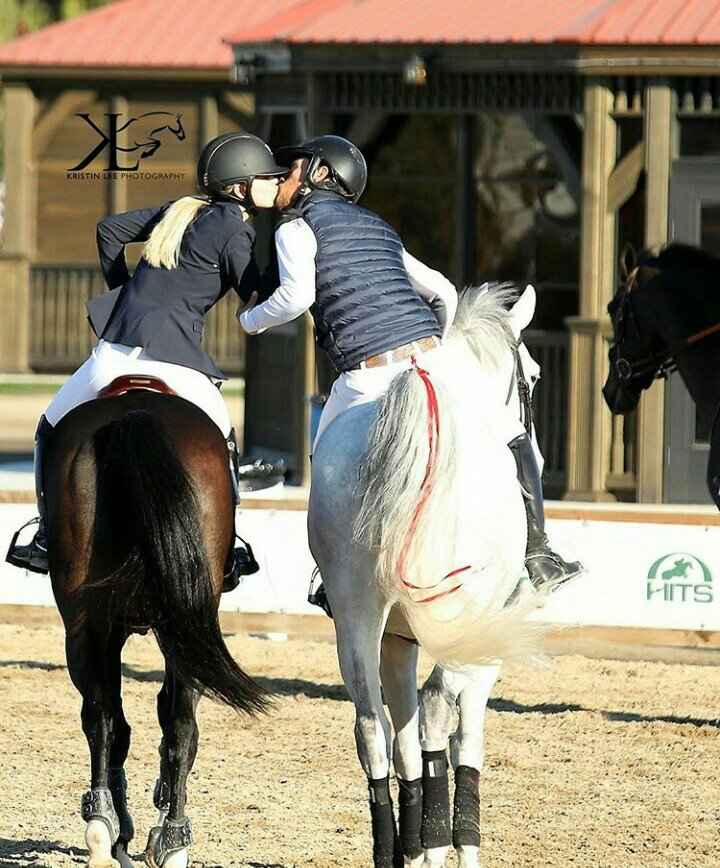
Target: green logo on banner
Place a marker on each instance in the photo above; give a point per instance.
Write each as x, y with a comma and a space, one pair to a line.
679, 578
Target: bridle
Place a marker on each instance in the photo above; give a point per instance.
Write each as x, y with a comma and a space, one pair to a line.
661, 364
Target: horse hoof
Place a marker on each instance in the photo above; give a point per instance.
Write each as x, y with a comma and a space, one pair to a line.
436, 857
176, 859
416, 862
173, 859
151, 846
104, 863
468, 856
97, 839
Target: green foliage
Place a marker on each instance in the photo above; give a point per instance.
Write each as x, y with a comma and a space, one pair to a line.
18, 17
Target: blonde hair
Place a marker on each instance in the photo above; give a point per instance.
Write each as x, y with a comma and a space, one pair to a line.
163, 246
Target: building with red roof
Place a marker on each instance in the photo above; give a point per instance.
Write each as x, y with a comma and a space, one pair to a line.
516, 141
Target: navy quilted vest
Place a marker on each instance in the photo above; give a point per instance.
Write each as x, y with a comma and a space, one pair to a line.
365, 303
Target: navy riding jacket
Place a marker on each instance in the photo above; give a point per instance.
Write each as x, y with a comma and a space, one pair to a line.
163, 310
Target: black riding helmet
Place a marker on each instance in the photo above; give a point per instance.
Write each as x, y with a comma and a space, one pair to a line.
231, 158
348, 169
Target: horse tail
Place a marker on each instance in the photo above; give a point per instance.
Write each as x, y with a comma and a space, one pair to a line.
407, 481
154, 510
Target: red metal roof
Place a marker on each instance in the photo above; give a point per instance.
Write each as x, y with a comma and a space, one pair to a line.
190, 34
169, 34
636, 22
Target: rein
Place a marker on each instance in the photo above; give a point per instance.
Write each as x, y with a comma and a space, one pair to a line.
517, 380
425, 491
663, 364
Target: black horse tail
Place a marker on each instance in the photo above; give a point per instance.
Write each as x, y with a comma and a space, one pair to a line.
153, 519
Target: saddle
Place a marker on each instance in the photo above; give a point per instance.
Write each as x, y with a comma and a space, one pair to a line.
131, 382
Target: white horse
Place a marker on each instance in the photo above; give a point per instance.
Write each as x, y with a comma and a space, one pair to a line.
451, 709
416, 513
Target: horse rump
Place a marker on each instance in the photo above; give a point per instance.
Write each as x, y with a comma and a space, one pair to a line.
148, 521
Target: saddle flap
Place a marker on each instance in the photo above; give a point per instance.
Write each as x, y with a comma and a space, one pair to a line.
130, 382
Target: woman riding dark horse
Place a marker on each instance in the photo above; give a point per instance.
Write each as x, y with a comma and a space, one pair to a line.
151, 324
137, 505
666, 315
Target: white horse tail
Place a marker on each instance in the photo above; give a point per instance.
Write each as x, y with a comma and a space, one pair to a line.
408, 513
467, 629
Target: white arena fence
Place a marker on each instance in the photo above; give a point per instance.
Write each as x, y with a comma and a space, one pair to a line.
656, 568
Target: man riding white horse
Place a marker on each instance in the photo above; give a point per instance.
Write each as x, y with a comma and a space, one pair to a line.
374, 306
197, 248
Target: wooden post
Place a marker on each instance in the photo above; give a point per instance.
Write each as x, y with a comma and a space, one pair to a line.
18, 246
658, 157
307, 360
208, 120
589, 422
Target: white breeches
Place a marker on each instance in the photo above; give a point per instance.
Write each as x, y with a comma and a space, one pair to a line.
369, 384
108, 361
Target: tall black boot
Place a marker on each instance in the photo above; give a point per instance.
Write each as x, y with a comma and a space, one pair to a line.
545, 567
241, 560
34, 555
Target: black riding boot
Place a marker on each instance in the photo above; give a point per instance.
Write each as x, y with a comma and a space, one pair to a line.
241, 560
545, 567
34, 555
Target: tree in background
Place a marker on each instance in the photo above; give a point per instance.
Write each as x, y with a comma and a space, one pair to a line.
18, 17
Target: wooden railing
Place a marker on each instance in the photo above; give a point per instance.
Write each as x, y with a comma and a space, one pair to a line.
61, 337
550, 407
622, 478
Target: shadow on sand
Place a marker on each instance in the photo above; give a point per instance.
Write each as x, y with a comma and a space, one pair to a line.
29, 853
338, 693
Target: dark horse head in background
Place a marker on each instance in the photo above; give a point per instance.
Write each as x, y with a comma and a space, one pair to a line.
666, 316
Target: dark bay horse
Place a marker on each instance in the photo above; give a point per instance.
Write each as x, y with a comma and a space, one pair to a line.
140, 521
666, 315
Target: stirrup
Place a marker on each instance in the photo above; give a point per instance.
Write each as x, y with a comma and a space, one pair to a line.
557, 570
25, 560
316, 593
243, 564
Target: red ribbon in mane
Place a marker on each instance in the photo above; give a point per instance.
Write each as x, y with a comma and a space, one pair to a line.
426, 489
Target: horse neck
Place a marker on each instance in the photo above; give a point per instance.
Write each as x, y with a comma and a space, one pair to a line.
675, 318
699, 367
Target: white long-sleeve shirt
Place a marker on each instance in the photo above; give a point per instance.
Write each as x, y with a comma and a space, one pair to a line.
296, 250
